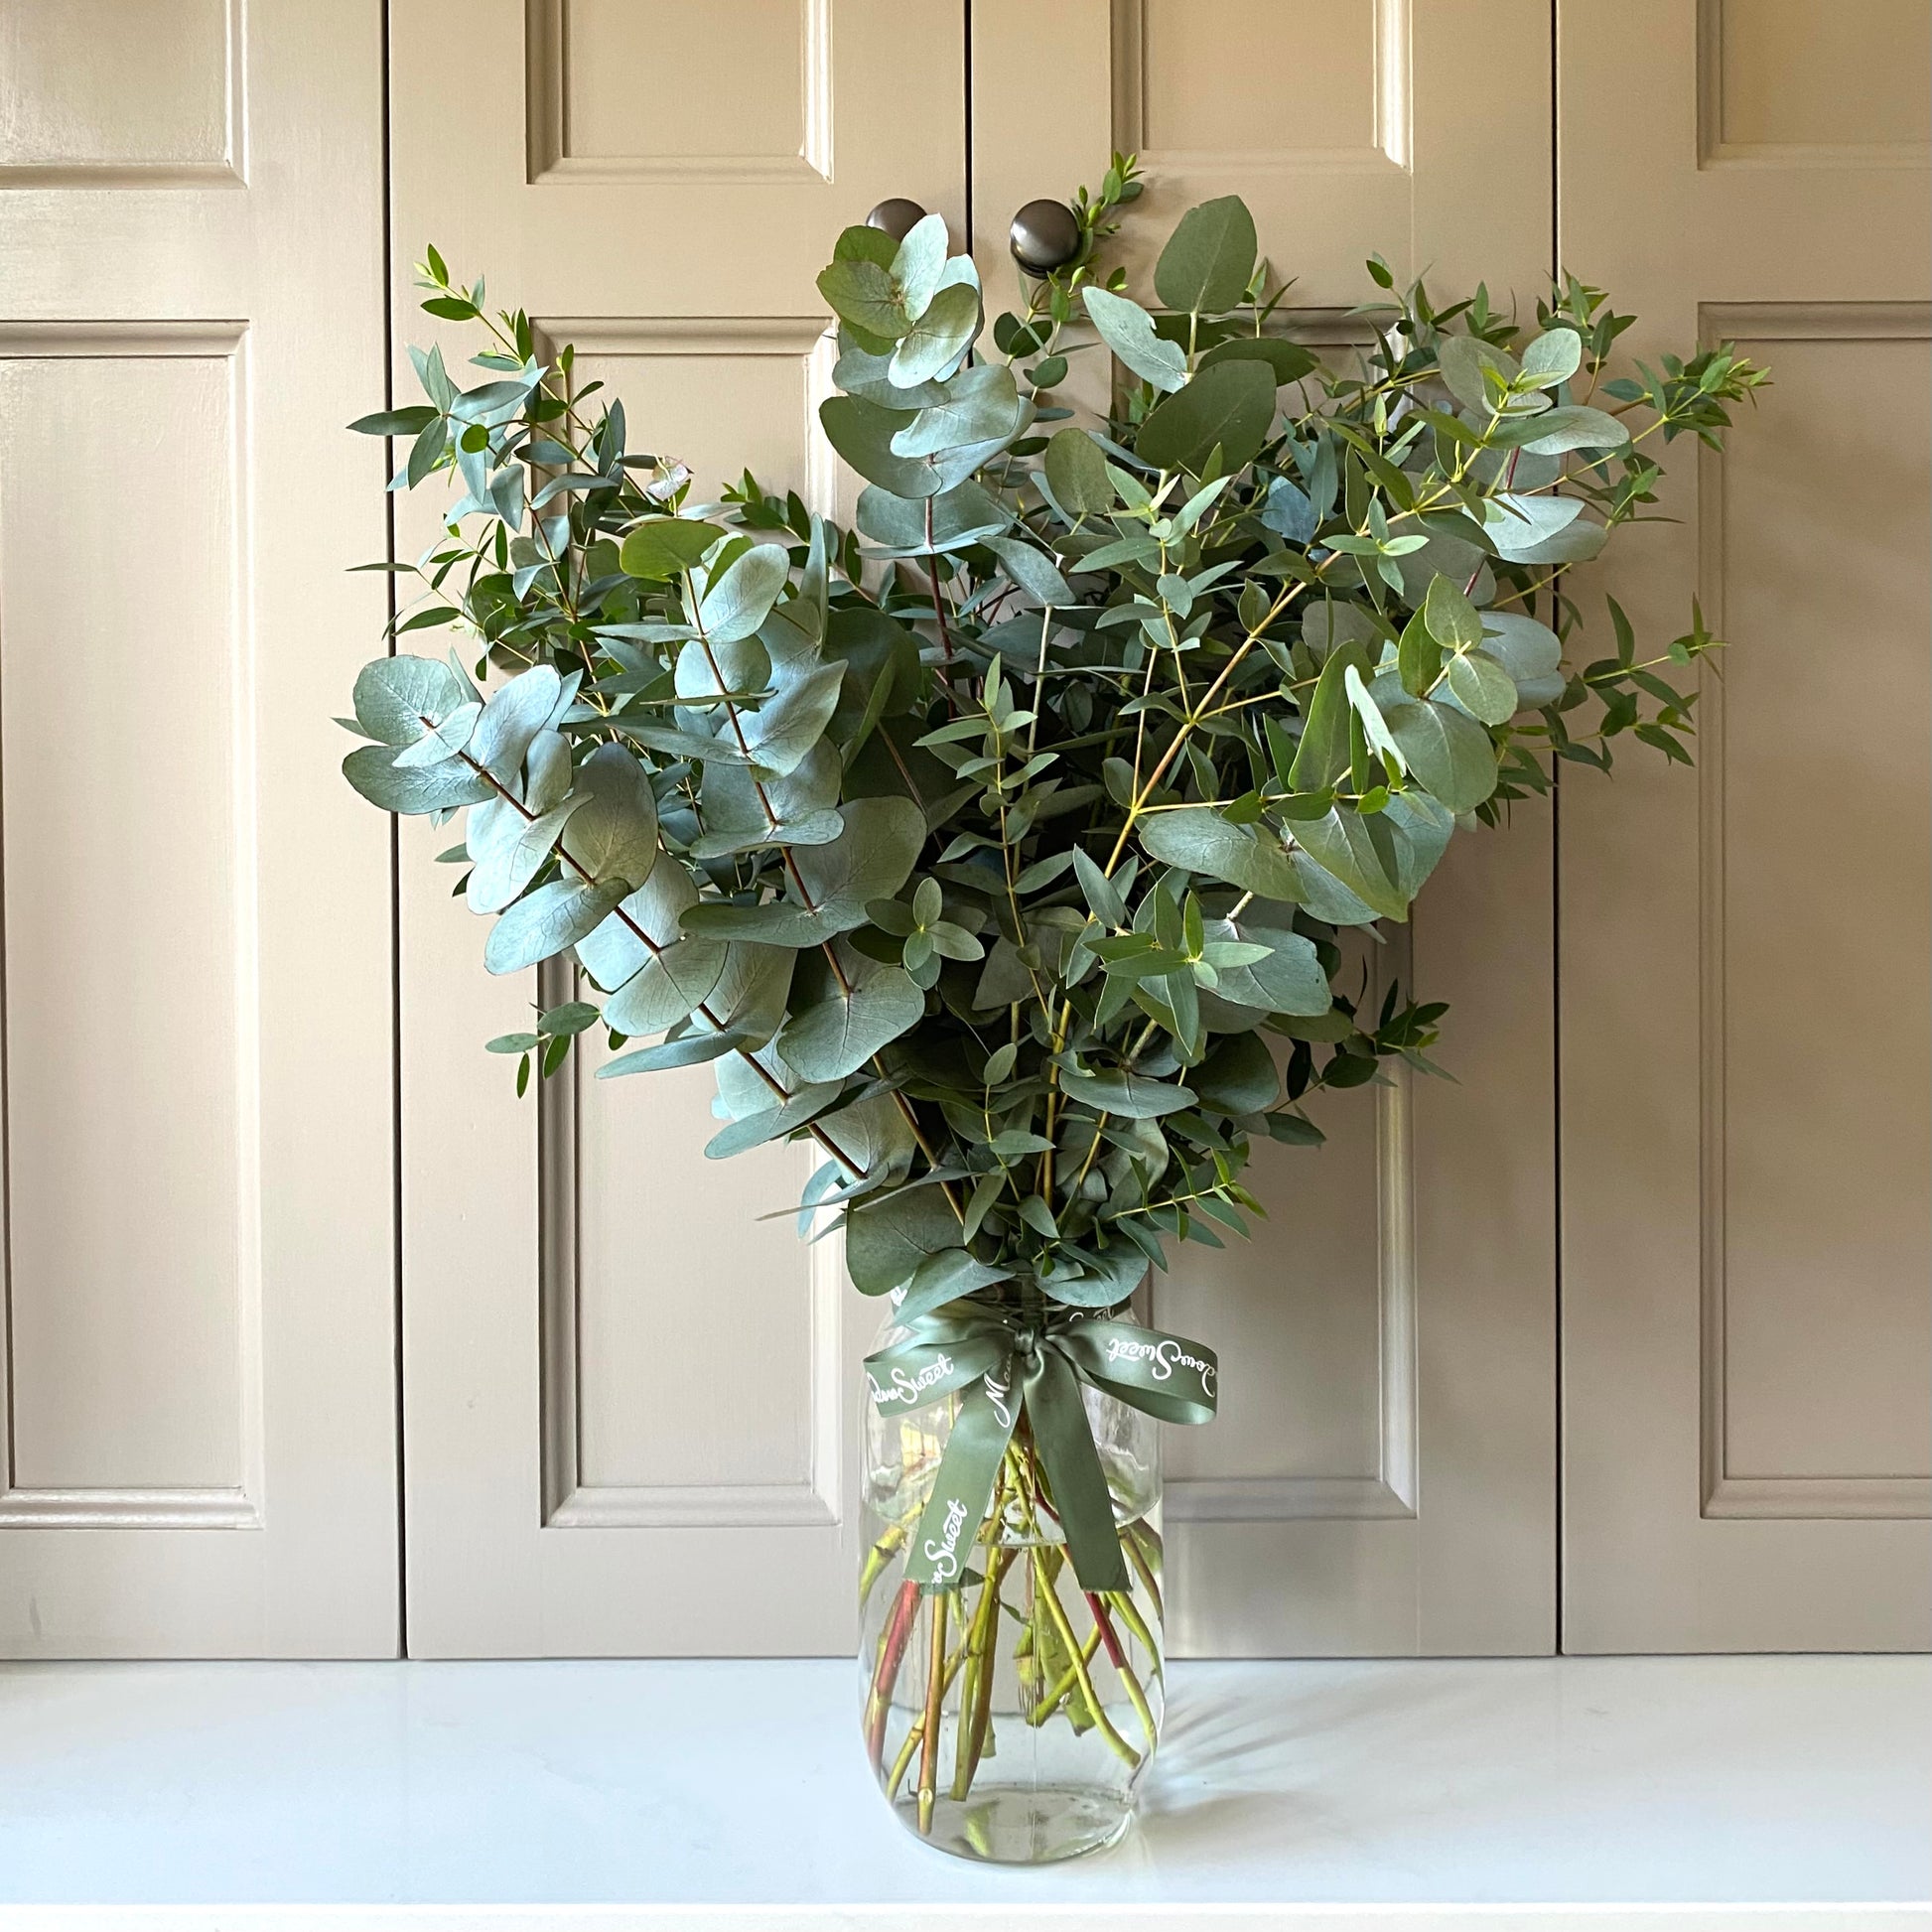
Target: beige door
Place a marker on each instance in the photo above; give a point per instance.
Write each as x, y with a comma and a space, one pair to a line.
198, 1320
1381, 1478
1743, 952
660, 187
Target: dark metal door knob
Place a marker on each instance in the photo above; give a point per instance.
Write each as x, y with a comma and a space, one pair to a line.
1045, 236
895, 217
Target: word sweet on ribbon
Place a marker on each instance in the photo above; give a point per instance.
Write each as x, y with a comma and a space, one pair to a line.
1009, 1366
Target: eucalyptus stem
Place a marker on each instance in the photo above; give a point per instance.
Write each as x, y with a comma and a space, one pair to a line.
1047, 1594
1117, 1656
892, 1654
1137, 1555
935, 1691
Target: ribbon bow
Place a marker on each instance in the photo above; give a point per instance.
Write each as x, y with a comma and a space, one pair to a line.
1008, 1363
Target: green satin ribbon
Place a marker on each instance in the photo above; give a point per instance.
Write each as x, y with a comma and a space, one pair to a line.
1009, 1363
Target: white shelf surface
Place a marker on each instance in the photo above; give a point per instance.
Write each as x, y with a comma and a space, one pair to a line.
1573, 1780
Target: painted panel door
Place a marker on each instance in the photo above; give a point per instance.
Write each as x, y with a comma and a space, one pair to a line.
199, 1393
659, 187
1381, 1478
1746, 1061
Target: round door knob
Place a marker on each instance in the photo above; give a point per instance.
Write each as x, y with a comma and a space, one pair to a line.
1045, 236
895, 217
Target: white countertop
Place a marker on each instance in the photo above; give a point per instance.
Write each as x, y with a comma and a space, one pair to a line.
1574, 1780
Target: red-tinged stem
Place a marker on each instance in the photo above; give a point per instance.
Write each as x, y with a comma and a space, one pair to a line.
1115, 1654
892, 1654
1137, 1555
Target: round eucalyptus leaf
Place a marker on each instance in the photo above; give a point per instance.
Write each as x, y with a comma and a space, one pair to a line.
1450, 754
735, 604
839, 1036
887, 1240
412, 790
661, 547
934, 343
549, 921
1482, 687
613, 832
862, 433
394, 695
511, 719
669, 987
507, 850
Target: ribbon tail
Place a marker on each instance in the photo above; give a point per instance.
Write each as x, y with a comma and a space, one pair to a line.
1064, 1440
962, 1491
1165, 1376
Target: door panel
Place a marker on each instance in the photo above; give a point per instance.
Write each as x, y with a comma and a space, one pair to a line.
1745, 1052
1381, 1479
660, 189
198, 1396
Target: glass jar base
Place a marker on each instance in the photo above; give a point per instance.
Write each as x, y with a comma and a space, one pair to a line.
1037, 1826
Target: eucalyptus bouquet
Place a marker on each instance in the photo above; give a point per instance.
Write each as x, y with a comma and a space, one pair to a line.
1008, 846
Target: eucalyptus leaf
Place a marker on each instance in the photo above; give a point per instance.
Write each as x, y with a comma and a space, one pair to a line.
1572, 426
1128, 329
412, 790
507, 850
1076, 471
513, 716
1449, 753
549, 921
979, 405
735, 604
1200, 839
1529, 651
1288, 978
1228, 407
1032, 570
862, 433
963, 514
1483, 688
1130, 1095
1208, 258
840, 1034
691, 1049
756, 1130
932, 347
1553, 357
865, 298
663, 547
887, 1241
784, 728
613, 833
395, 695
1346, 845
670, 986
919, 263
1289, 362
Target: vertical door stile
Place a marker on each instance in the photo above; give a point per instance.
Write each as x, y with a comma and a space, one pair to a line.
198, 1446
1746, 1045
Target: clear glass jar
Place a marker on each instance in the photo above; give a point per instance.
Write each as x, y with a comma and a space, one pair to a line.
1012, 1719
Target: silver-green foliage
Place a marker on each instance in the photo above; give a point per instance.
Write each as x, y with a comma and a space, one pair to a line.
1004, 845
